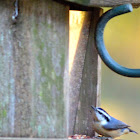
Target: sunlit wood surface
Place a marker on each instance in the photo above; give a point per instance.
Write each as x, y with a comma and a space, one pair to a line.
83, 72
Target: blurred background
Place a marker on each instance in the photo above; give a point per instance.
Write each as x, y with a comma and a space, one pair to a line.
120, 96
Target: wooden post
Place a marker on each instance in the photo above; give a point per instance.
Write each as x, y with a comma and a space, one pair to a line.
84, 74
35, 97
33, 69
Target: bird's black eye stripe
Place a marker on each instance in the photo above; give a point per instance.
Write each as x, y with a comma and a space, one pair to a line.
106, 118
102, 110
100, 113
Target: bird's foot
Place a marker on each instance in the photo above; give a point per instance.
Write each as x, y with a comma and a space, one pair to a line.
103, 138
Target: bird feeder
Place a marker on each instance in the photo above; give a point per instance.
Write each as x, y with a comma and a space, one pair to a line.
40, 96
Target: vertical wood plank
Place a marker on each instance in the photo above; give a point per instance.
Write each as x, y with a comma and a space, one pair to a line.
84, 77
33, 69
79, 33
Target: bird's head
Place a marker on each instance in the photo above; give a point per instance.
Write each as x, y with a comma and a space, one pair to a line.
100, 115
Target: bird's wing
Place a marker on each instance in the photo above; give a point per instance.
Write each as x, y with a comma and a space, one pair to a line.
115, 124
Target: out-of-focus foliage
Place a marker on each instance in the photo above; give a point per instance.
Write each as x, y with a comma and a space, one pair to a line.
121, 95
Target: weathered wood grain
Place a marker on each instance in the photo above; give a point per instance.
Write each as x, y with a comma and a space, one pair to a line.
34, 79
84, 75
105, 3
33, 69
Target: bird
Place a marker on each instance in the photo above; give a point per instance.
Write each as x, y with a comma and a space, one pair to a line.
107, 126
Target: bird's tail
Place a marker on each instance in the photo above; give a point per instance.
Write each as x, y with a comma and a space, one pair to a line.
132, 131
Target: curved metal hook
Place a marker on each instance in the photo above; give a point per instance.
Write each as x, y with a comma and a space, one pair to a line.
113, 65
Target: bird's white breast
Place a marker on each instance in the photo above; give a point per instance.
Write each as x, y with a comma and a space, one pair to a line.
97, 126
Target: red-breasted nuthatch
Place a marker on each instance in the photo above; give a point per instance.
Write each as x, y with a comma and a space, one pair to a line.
107, 126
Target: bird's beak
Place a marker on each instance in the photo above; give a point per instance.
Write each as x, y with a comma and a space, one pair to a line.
94, 113
94, 108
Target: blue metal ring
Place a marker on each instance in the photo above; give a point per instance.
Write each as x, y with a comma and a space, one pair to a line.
113, 65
